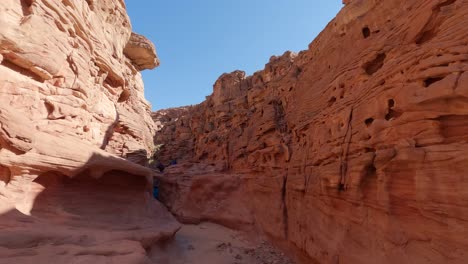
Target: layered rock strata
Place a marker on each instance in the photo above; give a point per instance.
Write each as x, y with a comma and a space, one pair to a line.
353, 151
74, 127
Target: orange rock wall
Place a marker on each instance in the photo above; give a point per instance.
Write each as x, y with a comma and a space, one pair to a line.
355, 150
75, 129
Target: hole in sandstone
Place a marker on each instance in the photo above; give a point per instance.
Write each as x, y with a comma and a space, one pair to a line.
50, 108
429, 81
369, 121
391, 113
90, 4
50, 112
376, 64
331, 101
112, 82
371, 170
298, 72
5, 176
366, 32
71, 33
341, 187
124, 96
368, 150
26, 6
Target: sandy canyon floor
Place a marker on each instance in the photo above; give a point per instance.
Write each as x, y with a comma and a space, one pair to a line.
211, 243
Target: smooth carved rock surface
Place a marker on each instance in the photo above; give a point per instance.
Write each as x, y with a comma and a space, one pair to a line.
355, 150
75, 130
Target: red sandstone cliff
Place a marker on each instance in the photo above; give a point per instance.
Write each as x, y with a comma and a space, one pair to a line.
353, 151
73, 126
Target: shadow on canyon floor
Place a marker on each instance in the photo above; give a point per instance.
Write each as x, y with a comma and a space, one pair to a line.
113, 218
100, 213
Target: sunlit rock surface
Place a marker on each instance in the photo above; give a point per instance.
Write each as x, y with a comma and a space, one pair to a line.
74, 127
353, 151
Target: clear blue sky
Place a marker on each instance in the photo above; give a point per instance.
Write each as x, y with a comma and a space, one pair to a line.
198, 40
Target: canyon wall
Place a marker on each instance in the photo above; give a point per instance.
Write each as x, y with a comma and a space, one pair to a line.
353, 151
75, 130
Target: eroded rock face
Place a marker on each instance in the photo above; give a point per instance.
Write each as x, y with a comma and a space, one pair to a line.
175, 140
355, 150
74, 125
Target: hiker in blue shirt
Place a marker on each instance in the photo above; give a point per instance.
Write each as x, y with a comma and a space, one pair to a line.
156, 189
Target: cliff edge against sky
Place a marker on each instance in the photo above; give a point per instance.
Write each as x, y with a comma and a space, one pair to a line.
75, 132
353, 151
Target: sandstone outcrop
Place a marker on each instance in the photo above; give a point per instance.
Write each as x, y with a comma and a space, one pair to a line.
141, 52
353, 151
75, 130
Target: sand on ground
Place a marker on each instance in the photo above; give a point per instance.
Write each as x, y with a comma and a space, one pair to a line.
209, 243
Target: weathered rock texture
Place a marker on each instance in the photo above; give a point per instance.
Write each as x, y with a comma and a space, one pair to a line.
353, 151
73, 126
175, 139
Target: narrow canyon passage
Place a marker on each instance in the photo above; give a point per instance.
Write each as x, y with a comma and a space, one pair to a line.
353, 151
212, 236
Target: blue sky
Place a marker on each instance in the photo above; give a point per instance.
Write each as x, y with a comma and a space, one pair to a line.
198, 40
